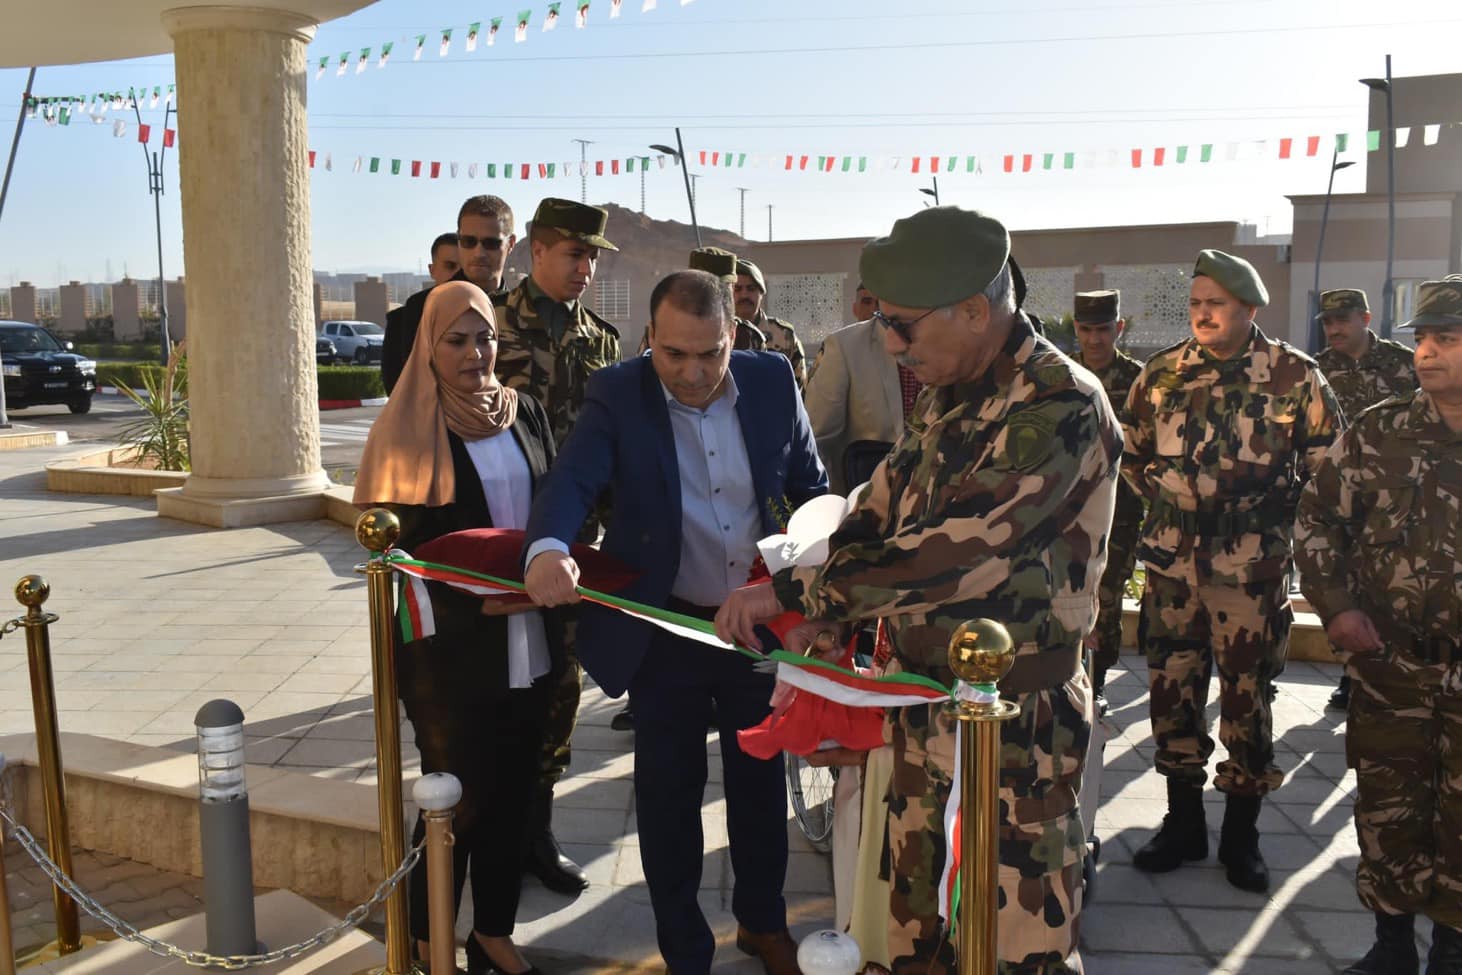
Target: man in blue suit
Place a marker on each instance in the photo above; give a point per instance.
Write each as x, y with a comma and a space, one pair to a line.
697, 443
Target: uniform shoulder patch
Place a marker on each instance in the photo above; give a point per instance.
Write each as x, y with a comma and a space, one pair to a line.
1030, 437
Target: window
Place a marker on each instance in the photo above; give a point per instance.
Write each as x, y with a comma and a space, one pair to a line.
612, 297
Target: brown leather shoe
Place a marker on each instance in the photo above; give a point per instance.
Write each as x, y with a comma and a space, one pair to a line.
776, 951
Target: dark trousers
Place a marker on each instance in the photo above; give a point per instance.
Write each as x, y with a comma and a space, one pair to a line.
671, 695
493, 748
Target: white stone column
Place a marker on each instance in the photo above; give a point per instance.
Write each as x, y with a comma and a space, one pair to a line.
243, 166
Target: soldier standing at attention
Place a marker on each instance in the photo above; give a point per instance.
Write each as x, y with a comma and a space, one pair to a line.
1380, 553
1382, 560
1363, 369
1099, 325
1222, 430
750, 291
994, 502
549, 344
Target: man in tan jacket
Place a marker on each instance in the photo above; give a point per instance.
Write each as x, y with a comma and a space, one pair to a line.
855, 391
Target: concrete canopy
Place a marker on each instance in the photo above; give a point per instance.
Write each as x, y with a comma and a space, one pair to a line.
118, 29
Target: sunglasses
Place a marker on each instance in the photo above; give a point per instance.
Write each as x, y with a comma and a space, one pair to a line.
469, 243
904, 330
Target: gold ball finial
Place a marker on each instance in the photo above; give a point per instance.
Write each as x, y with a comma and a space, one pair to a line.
32, 591
981, 652
377, 530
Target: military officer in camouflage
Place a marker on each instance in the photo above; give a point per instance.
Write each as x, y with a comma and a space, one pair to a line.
1099, 325
750, 291
993, 503
549, 344
1222, 430
1363, 369
1380, 553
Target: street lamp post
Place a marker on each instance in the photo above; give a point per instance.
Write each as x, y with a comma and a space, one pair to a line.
154, 186
1388, 290
30, 81
934, 192
679, 153
1335, 166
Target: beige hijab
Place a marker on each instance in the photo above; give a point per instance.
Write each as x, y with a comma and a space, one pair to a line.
407, 459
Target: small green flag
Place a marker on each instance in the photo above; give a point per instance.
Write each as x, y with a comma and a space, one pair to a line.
969, 164
1341, 141
949, 166
492, 170
551, 168
821, 163
1373, 140
1047, 160
375, 164
507, 170
1205, 154
862, 164
65, 116
1069, 161
1182, 154
395, 167
847, 163
740, 160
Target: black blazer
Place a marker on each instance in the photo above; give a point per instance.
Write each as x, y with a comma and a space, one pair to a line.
460, 624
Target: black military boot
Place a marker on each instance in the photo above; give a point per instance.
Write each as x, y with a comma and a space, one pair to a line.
1394, 952
1184, 833
1340, 697
1445, 958
1099, 691
1238, 844
543, 858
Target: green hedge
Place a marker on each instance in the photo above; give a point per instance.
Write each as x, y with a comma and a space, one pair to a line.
126, 373
142, 351
350, 382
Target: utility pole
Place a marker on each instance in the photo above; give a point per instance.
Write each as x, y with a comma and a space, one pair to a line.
584, 170
154, 186
693, 178
5, 188
644, 166
769, 223
742, 191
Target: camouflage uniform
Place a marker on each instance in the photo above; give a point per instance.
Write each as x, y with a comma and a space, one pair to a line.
1378, 531
780, 337
1117, 379
993, 503
1221, 449
553, 364
1384, 370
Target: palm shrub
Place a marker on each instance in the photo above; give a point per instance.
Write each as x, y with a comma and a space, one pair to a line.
161, 434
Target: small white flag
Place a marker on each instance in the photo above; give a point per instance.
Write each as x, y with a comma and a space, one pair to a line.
1430, 134
472, 31
156, 94
169, 99
355, 167
452, 167
614, 6
521, 33
649, 5
365, 58
340, 68
550, 21
472, 170
446, 43
329, 165
119, 128
1403, 136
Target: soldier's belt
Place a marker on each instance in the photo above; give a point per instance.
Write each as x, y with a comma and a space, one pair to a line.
1221, 523
1041, 671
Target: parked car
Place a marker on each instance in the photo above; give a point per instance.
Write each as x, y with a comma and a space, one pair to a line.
325, 352
41, 370
358, 342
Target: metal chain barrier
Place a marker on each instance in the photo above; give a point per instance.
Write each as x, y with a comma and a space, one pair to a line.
201, 959
10, 626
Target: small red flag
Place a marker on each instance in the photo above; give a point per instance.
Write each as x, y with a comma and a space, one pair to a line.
542, 170
416, 167
312, 157
829, 167
1158, 155
599, 167
802, 163
1136, 158
526, 171
1285, 145
715, 159
789, 162
933, 164
614, 166
1010, 164
1025, 163
144, 132
1312, 145
436, 170
169, 136
917, 160
703, 157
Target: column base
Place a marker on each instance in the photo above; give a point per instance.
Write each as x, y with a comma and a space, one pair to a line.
230, 503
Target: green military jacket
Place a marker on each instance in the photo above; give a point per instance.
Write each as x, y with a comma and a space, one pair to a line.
781, 337
1380, 525
554, 369
1384, 370
993, 503
1117, 379
1221, 449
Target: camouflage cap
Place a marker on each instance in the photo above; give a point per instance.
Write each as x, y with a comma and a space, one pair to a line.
1342, 301
1098, 307
743, 266
714, 260
1438, 304
1234, 274
576, 220
936, 257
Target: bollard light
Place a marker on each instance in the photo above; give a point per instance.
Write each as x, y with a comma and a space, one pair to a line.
829, 952
438, 794
223, 828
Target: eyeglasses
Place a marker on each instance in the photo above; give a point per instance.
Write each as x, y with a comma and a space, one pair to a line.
904, 330
469, 243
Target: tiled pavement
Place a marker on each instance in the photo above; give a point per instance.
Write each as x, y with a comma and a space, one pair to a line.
158, 617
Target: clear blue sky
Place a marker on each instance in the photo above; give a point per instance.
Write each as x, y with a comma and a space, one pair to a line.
896, 77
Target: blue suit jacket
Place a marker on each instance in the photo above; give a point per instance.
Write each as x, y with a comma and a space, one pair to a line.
622, 441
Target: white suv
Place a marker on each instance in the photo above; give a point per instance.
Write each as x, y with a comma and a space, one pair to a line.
359, 342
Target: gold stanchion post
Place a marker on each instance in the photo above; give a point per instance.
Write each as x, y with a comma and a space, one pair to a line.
980, 653
32, 592
437, 795
377, 531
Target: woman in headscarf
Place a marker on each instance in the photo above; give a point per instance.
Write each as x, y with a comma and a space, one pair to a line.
454, 449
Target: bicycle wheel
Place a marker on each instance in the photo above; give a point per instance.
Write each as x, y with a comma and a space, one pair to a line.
810, 790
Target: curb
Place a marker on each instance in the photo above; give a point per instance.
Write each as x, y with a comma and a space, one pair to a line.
348, 404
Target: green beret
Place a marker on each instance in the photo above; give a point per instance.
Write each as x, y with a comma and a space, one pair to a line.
1234, 274
1342, 301
1098, 307
1438, 303
714, 260
743, 266
935, 258
576, 220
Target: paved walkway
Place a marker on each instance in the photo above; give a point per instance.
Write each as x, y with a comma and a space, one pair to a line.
158, 617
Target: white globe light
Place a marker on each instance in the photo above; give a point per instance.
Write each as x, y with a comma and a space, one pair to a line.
828, 952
